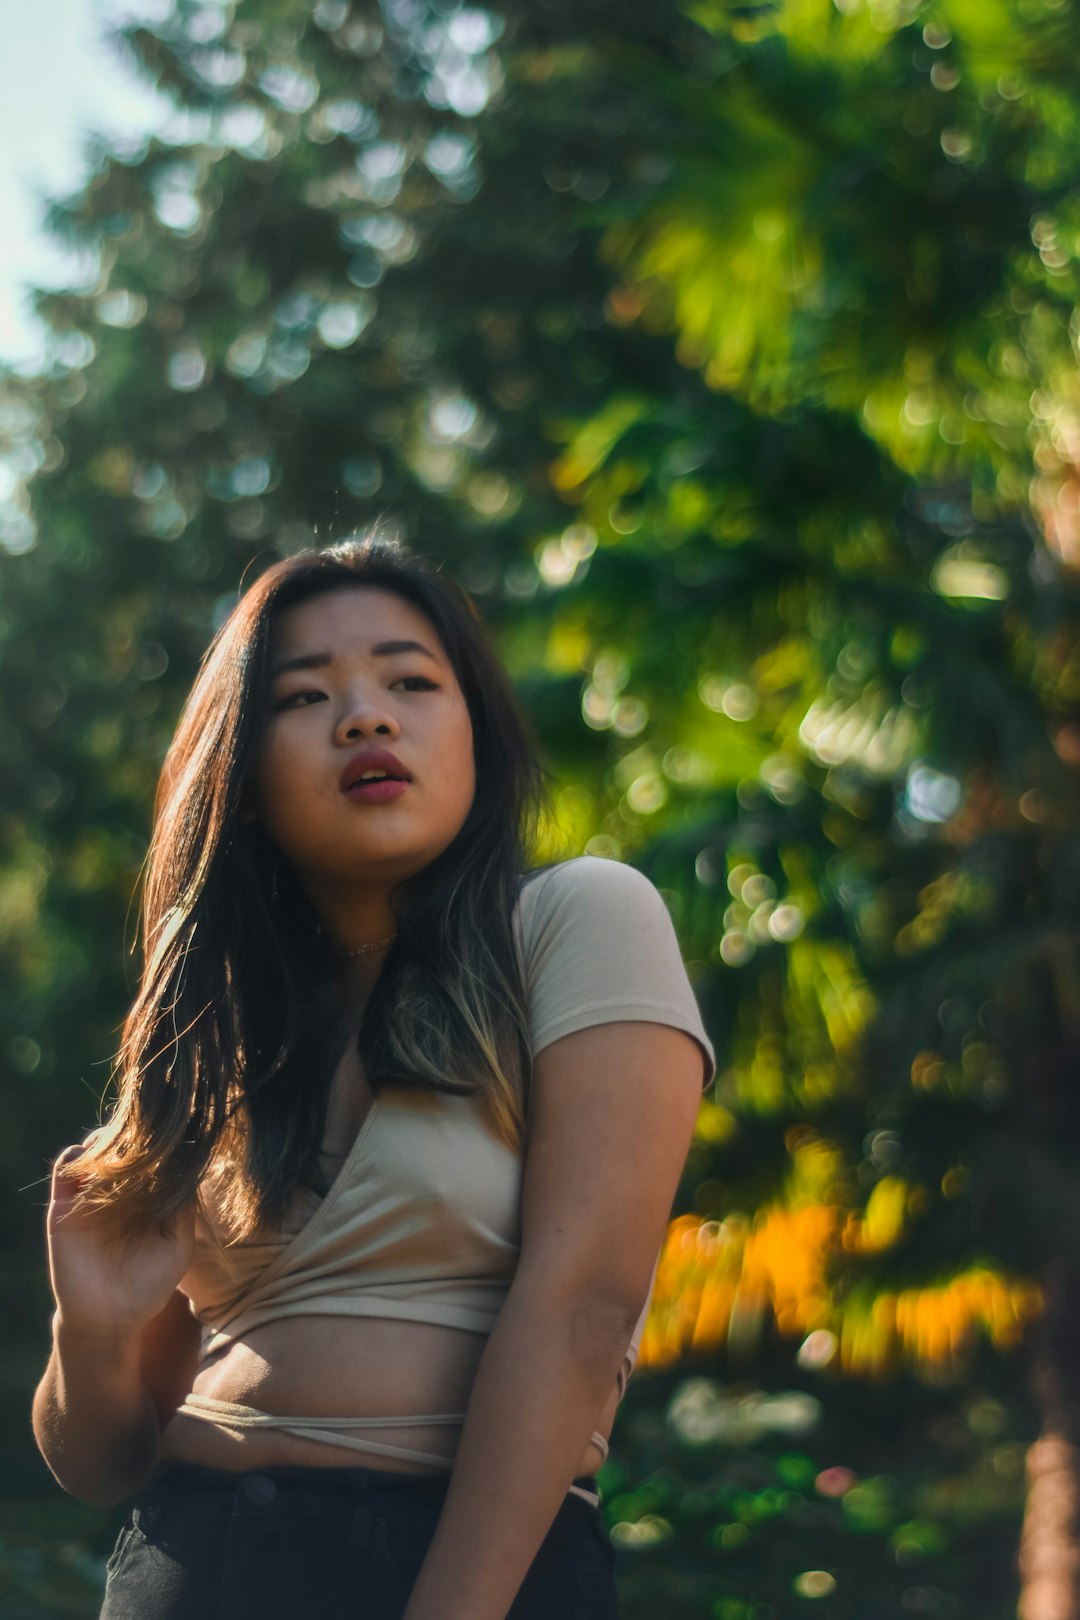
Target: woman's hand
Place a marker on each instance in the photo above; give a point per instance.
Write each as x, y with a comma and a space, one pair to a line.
104, 1282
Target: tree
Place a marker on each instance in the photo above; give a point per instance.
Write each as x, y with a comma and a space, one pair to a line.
724, 353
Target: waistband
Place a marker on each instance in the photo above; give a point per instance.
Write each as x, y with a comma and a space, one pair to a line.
298, 1489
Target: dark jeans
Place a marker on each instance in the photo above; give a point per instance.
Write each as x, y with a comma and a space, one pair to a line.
296, 1543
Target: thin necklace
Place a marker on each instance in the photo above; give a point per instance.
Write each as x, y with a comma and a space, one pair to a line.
363, 950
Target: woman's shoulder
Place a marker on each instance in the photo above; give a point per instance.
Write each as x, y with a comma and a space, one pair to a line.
600, 946
586, 886
582, 874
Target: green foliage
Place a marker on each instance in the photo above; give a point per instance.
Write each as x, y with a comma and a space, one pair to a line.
727, 354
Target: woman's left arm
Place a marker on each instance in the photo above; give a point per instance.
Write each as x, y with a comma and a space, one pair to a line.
612, 1114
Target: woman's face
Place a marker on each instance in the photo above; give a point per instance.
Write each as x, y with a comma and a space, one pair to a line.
362, 693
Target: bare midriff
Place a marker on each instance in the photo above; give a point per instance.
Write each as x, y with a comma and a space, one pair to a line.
334, 1366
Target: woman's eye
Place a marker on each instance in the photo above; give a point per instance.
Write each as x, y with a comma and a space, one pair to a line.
291, 699
285, 701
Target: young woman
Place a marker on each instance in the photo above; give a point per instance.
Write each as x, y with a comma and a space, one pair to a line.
349, 1285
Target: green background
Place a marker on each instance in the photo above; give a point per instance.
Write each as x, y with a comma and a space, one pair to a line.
727, 353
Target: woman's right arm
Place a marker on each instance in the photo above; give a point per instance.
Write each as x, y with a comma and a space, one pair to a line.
97, 1416
94, 1419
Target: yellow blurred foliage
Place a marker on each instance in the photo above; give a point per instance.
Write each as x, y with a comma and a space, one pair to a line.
718, 1282
714, 1122
591, 444
568, 647
882, 1224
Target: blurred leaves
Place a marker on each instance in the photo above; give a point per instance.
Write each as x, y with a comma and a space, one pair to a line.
726, 353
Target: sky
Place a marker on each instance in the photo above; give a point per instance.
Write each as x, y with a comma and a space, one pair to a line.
59, 82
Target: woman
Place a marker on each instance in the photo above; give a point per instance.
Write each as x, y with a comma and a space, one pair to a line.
349, 1285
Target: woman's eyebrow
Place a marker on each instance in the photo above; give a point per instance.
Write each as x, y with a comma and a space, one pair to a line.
320, 660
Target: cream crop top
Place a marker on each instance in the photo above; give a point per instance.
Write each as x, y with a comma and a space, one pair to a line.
422, 1221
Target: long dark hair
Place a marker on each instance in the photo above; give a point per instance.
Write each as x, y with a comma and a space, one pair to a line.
228, 1051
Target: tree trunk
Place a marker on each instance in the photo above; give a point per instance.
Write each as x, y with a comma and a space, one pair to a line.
1049, 1559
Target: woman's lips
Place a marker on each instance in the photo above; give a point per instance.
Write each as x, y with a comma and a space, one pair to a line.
372, 759
375, 792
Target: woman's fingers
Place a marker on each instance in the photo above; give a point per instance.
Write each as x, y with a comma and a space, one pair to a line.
67, 1183
66, 1161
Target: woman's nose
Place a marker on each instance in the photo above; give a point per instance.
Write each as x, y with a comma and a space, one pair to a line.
366, 712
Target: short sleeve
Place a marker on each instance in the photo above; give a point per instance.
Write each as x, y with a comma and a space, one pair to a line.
599, 945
